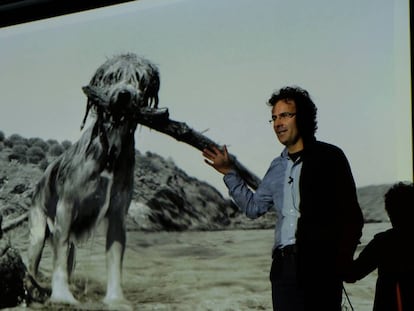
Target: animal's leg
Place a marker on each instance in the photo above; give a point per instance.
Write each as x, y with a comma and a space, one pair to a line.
37, 237
115, 246
71, 259
60, 279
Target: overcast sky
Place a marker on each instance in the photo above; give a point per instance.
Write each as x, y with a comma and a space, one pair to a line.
220, 60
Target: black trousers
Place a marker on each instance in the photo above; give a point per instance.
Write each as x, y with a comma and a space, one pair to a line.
293, 292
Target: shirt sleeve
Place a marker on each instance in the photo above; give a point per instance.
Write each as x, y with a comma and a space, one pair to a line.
253, 204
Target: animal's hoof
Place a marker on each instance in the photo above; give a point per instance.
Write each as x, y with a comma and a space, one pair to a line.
120, 304
65, 298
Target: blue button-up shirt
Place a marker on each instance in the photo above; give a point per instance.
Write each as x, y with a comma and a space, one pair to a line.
279, 190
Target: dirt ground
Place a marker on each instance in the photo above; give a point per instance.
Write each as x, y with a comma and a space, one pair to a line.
194, 271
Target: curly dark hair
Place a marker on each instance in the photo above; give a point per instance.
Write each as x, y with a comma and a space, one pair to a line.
305, 109
399, 204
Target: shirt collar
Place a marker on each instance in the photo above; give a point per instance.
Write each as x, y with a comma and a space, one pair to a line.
285, 155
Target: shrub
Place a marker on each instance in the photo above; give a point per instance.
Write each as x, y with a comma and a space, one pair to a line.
42, 144
56, 150
18, 153
34, 140
52, 142
19, 148
35, 154
17, 139
8, 143
66, 144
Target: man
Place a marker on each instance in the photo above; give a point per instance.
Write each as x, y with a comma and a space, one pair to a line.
311, 188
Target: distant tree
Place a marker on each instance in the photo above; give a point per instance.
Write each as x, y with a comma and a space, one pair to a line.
35, 154
66, 144
2, 136
19, 153
42, 144
17, 139
56, 150
20, 148
8, 143
52, 142
34, 140
13, 140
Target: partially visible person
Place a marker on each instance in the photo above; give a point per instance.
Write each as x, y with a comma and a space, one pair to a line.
318, 219
392, 253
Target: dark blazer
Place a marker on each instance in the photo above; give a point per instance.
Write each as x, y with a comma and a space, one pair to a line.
331, 221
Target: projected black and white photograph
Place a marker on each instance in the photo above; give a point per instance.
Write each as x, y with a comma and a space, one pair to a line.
145, 149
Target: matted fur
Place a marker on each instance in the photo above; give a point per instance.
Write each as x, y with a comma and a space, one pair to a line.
93, 179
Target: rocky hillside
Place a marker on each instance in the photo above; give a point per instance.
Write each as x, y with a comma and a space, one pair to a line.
165, 197
371, 199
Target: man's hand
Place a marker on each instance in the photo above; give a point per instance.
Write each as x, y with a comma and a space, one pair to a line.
218, 159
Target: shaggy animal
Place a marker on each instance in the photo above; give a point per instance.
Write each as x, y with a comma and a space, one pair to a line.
93, 180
